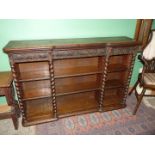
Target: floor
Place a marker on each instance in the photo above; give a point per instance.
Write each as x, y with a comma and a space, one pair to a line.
117, 122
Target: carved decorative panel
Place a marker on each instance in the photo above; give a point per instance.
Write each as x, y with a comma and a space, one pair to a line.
79, 53
25, 57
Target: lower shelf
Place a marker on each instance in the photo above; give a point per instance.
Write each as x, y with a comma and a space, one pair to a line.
113, 107
112, 103
41, 111
74, 104
43, 119
114, 83
38, 111
110, 100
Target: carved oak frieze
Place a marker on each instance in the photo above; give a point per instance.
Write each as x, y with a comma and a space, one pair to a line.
124, 50
30, 57
79, 53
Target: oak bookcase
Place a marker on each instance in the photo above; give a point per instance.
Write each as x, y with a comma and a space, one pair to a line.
63, 77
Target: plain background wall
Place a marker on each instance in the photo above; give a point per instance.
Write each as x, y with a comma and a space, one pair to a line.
48, 29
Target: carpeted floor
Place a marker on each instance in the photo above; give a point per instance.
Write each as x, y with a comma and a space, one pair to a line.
115, 122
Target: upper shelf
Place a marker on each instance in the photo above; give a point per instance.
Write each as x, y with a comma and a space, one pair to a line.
68, 43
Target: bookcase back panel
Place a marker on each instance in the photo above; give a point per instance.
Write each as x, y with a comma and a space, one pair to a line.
120, 59
76, 66
113, 97
72, 84
33, 70
72, 104
36, 89
36, 109
121, 76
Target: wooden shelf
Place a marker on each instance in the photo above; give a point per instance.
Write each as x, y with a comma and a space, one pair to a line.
36, 94
35, 79
37, 97
113, 107
110, 84
40, 120
78, 71
77, 92
38, 110
116, 68
76, 74
72, 104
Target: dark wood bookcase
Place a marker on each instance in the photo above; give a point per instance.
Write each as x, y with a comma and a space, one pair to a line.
63, 77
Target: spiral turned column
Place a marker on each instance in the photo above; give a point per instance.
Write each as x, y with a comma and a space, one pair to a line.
104, 76
53, 93
17, 86
129, 77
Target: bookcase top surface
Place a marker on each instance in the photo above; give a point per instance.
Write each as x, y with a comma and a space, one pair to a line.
49, 44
